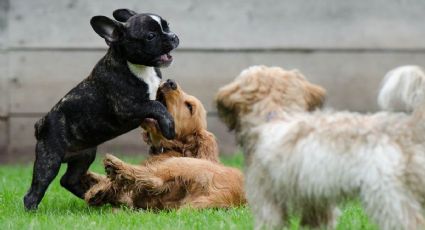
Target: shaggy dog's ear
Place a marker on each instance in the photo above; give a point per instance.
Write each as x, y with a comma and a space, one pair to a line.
226, 104
207, 146
315, 96
226, 114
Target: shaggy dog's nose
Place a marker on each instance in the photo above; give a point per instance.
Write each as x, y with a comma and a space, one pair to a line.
171, 84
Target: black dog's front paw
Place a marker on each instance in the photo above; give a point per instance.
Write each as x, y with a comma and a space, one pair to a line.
167, 128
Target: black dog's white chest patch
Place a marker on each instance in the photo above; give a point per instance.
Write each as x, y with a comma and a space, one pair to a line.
148, 75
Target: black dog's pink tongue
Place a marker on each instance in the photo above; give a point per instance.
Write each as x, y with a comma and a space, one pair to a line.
166, 57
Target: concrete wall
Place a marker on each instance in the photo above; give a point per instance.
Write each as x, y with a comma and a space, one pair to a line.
48, 46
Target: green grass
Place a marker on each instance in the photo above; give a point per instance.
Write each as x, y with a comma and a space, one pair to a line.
60, 209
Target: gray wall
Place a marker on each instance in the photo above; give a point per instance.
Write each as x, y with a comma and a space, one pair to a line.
48, 46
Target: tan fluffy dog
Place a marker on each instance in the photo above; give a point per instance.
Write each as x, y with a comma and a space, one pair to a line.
307, 162
173, 178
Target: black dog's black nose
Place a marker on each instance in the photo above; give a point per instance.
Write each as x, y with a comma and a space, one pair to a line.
173, 37
174, 40
171, 84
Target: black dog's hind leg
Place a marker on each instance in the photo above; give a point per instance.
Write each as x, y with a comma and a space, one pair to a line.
48, 158
77, 168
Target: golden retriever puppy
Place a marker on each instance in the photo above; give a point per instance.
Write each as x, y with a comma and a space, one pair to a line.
307, 162
192, 137
185, 181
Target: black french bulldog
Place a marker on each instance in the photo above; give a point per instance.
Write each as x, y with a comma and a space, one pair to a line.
114, 99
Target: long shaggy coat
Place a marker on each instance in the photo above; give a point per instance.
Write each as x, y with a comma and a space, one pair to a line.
304, 161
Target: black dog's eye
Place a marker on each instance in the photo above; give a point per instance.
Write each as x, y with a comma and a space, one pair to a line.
189, 107
150, 36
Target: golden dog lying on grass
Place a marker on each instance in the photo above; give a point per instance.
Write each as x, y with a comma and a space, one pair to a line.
185, 173
307, 162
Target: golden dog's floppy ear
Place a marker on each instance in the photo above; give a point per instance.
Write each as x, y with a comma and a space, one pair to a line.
207, 146
314, 97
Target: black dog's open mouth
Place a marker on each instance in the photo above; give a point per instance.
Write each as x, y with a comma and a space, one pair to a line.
165, 59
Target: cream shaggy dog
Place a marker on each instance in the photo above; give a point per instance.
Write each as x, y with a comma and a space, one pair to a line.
307, 162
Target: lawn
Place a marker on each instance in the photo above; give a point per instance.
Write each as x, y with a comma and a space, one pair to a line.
60, 209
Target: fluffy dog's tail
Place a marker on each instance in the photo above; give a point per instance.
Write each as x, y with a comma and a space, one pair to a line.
403, 90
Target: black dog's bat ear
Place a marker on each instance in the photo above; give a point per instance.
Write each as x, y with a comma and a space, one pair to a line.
122, 15
106, 28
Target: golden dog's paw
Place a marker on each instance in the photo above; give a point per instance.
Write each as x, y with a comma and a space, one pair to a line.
111, 159
118, 171
113, 166
96, 196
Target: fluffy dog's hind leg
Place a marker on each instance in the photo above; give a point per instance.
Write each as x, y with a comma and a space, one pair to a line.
392, 207
268, 213
77, 168
316, 215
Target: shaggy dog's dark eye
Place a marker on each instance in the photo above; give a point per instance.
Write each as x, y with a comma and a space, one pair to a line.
189, 106
150, 36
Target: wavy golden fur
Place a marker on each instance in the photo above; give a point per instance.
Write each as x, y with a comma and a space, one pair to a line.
186, 172
192, 137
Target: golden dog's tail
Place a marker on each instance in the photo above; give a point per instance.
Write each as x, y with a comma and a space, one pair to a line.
403, 90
